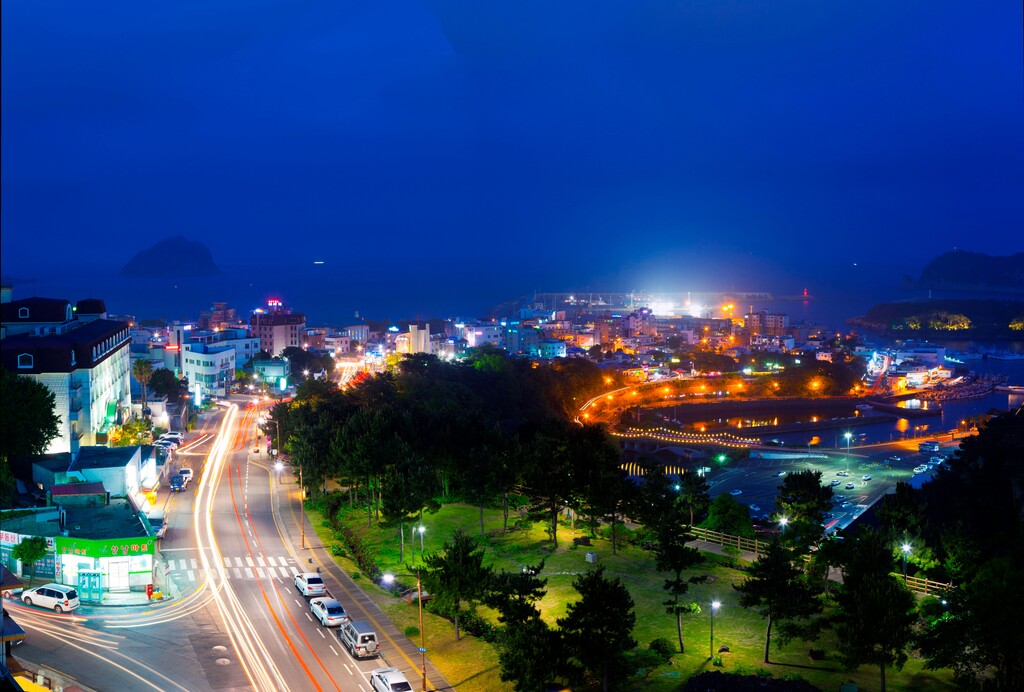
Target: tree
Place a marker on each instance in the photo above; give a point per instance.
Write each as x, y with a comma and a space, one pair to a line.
406, 489
875, 616
528, 650
728, 516
979, 631
28, 422
30, 551
663, 511
803, 500
597, 630
694, 493
142, 370
778, 590
164, 383
457, 575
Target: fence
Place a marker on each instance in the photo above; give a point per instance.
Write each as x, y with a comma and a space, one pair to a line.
918, 585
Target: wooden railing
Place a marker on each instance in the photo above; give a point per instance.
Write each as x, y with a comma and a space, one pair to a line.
918, 585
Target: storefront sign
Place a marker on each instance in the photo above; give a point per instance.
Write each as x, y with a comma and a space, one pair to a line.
117, 547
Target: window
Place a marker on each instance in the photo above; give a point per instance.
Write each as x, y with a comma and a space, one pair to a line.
22, 313
73, 357
25, 360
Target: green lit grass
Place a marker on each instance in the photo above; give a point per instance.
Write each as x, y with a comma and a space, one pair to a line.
472, 664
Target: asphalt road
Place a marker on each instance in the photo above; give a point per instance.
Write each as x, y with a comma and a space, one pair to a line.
236, 622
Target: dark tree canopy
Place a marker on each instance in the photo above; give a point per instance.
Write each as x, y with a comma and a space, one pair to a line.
28, 422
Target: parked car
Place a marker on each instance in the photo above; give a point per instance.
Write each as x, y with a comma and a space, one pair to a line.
158, 520
409, 595
389, 680
310, 584
187, 474
178, 483
359, 638
328, 611
56, 596
176, 436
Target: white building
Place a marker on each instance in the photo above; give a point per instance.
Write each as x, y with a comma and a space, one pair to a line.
84, 362
209, 369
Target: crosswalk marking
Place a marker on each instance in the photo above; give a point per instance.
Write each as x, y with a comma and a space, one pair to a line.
263, 567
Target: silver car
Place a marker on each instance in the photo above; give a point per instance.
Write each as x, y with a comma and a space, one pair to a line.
389, 680
328, 611
310, 584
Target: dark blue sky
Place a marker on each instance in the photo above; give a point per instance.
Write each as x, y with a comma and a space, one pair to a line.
517, 145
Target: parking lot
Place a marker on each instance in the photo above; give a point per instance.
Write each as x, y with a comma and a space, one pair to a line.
758, 480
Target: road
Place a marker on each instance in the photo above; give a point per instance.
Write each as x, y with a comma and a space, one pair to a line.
233, 545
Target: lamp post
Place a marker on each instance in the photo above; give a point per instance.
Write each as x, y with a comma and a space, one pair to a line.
302, 508
847, 435
782, 522
711, 645
906, 551
388, 578
421, 531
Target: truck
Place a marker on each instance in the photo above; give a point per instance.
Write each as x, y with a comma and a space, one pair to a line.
158, 520
178, 483
928, 446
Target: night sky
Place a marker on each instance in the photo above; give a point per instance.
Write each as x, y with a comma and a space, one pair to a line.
496, 148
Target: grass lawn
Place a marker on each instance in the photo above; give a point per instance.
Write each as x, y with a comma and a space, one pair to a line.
472, 664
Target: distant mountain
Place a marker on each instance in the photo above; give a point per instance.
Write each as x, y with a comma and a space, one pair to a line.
173, 258
973, 271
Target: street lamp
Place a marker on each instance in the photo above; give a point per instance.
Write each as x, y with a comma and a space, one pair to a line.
847, 435
711, 645
906, 551
389, 578
782, 522
422, 529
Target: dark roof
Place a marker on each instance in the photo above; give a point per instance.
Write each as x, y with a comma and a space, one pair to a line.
52, 352
59, 461
70, 489
102, 457
39, 310
91, 306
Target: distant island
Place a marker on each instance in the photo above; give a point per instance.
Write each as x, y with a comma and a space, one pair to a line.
946, 319
175, 257
973, 271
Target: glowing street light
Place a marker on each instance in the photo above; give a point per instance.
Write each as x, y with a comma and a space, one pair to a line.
848, 435
782, 522
388, 579
711, 646
906, 551
422, 529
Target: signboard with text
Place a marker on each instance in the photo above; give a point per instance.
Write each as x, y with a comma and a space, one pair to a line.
116, 547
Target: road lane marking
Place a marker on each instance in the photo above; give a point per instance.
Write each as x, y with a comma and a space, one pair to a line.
248, 561
238, 562
191, 575
259, 570
260, 562
238, 572
195, 565
331, 647
321, 634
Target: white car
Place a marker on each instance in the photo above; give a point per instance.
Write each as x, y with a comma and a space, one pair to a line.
56, 596
175, 436
735, 492
186, 474
389, 680
310, 584
866, 477
328, 611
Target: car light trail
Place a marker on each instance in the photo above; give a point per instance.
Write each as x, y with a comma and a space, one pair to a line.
254, 658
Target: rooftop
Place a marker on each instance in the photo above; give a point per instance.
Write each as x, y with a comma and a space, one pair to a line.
95, 457
116, 520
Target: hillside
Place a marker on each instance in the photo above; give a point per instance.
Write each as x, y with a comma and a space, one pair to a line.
175, 257
972, 319
973, 271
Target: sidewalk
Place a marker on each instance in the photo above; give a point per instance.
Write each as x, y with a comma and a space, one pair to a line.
353, 597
